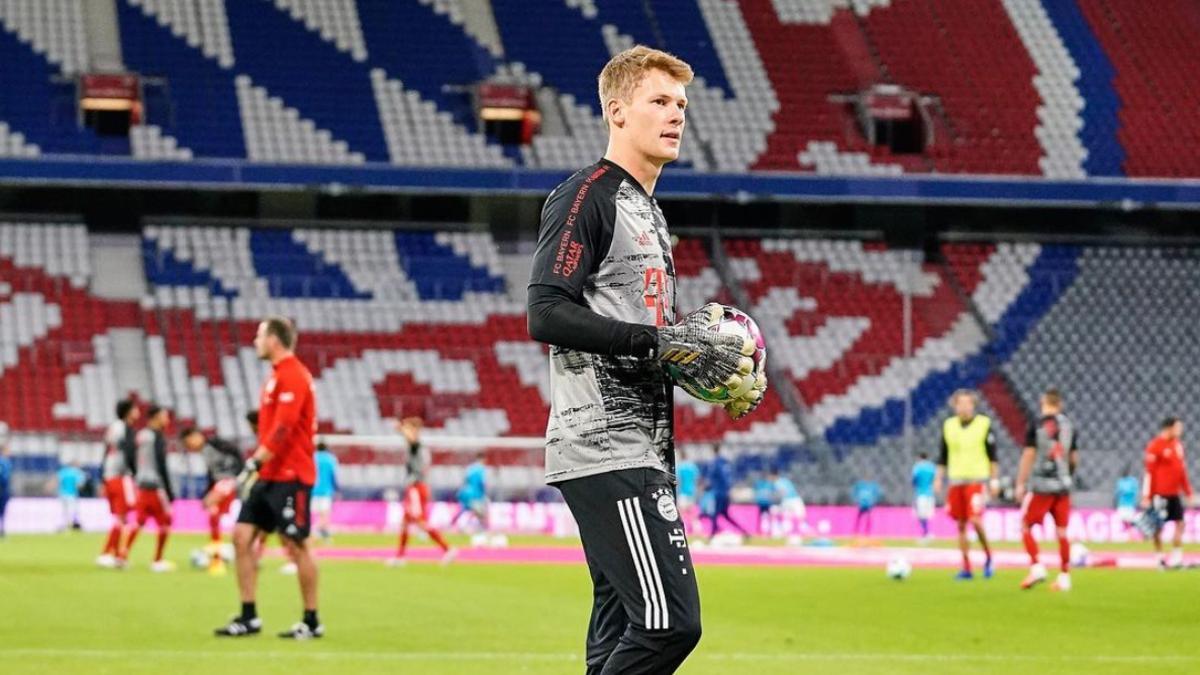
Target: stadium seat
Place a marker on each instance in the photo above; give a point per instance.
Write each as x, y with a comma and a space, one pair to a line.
1062, 89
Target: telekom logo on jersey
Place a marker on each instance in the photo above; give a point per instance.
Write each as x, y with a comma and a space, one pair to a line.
654, 292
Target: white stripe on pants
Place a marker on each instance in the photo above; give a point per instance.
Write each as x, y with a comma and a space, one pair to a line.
644, 562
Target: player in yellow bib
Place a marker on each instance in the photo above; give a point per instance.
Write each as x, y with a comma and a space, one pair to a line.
968, 459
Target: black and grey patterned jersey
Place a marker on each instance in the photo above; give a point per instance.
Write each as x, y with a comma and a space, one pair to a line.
604, 241
415, 465
118, 448
221, 459
1054, 438
151, 466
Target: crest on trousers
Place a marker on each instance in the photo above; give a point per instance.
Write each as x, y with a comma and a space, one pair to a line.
666, 506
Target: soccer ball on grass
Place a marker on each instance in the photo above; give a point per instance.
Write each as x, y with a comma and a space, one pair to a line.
898, 568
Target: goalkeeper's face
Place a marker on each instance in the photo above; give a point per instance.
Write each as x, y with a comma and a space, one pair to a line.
652, 121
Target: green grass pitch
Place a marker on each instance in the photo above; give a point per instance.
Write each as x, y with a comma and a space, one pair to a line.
62, 615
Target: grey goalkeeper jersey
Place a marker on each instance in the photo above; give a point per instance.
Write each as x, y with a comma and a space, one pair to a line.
1053, 437
605, 241
118, 444
416, 464
151, 464
221, 460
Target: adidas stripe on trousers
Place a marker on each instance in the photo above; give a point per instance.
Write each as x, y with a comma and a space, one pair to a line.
646, 607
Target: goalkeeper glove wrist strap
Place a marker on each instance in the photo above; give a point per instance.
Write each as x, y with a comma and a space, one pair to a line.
643, 342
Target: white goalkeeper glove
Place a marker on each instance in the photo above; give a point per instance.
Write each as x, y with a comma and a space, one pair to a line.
247, 478
745, 404
710, 359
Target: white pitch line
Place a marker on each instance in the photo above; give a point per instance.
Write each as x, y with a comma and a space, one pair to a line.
299, 653
861, 656
551, 656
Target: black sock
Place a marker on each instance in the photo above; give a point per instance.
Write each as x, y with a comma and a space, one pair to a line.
310, 618
249, 611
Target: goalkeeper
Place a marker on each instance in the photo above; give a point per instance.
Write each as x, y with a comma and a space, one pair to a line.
602, 295
276, 482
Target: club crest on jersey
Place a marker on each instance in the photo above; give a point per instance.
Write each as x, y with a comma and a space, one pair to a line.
665, 501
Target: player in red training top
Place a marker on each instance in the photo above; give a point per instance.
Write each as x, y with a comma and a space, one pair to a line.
117, 467
1165, 485
416, 494
1044, 482
154, 492
276, 481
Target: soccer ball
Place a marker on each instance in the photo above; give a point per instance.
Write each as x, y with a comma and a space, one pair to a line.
199, 558
732, 321
899, 568
1080, 555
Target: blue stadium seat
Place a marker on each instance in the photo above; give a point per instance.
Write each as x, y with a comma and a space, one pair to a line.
438, 271
325, 84
202, 112
294, 272
556, 41
41, 110
164, 269
432, 54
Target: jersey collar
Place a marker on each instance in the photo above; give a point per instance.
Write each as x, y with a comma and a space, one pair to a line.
604, 161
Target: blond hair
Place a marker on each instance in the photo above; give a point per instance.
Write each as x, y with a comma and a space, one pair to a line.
624, 71
1053, 398
959, 393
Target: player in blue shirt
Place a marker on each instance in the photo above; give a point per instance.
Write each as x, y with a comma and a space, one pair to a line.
764, 499
923, 474
69, 479
687, 475
472, 496
866, 495
5, 475
324, 490
719, 482
791, 505
1127, 493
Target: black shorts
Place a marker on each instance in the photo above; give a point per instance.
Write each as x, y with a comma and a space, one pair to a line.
284, 507
646, 606
1171, 507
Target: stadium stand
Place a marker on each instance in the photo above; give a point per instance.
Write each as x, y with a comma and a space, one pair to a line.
1121, 379
420, 322
57, 384
1153, 81
1059, 89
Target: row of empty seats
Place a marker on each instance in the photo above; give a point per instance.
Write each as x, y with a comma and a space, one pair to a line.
1059, 89
56, 363
415, 322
